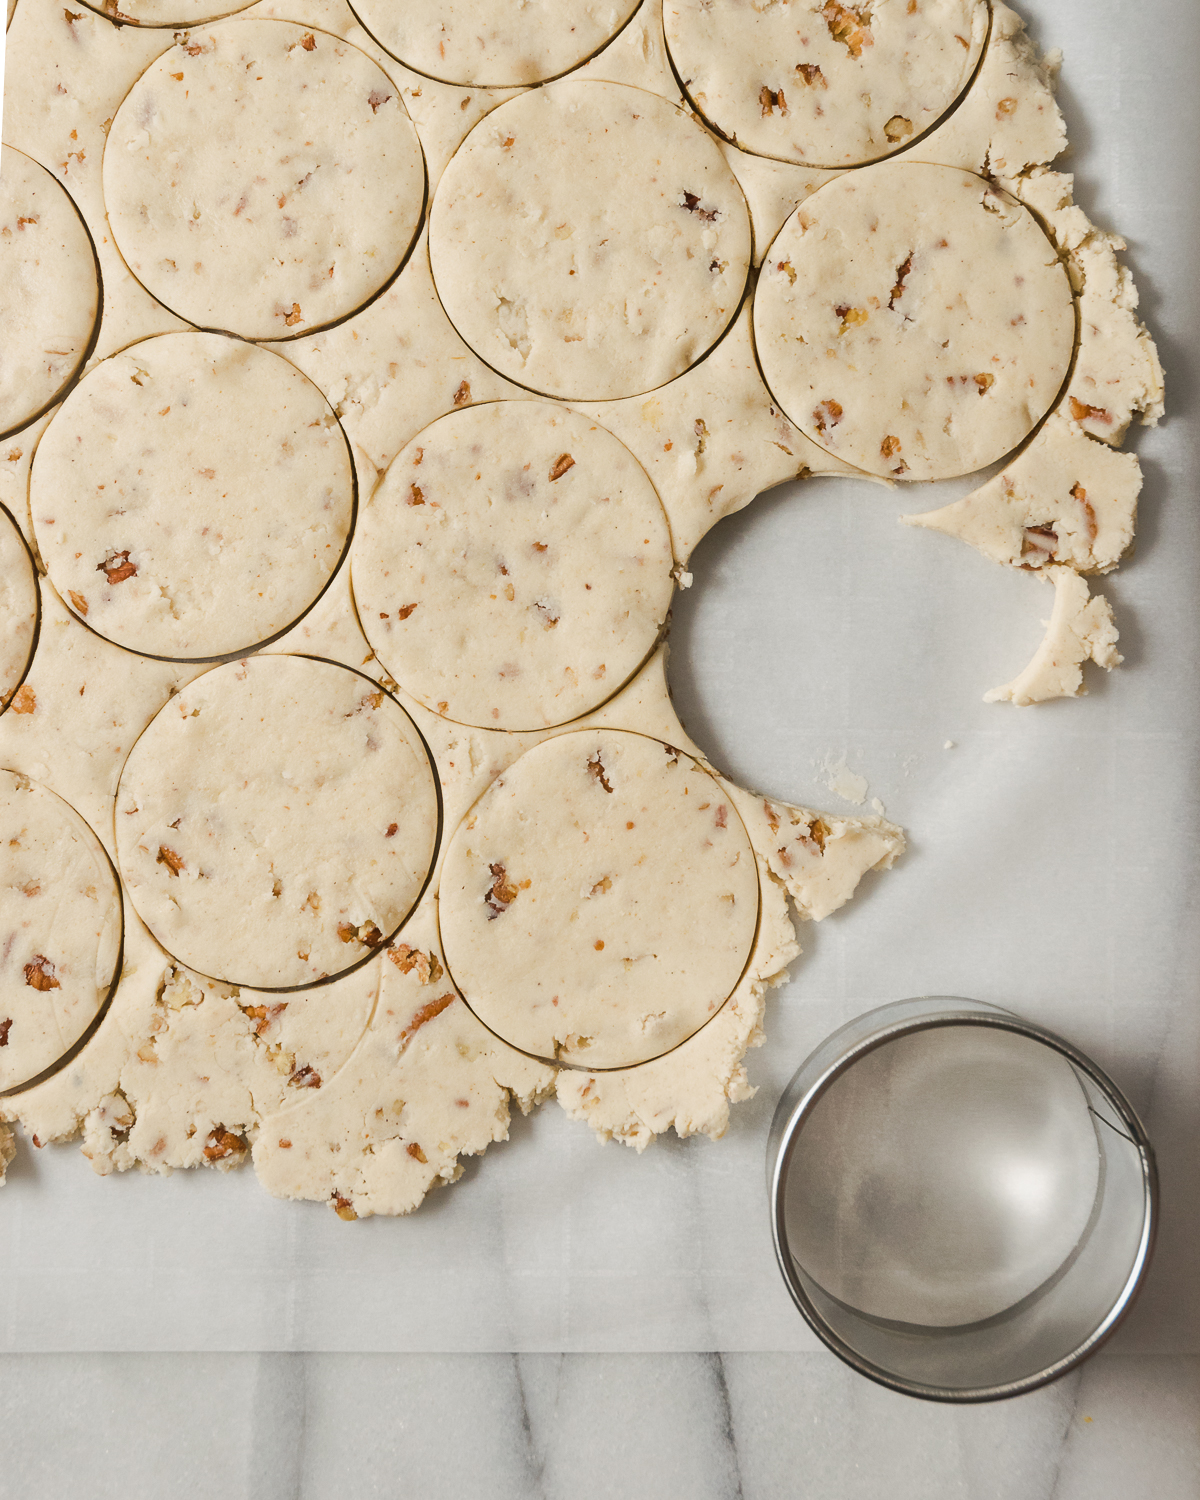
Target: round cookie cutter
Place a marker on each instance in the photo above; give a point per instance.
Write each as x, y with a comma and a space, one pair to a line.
1036, 1338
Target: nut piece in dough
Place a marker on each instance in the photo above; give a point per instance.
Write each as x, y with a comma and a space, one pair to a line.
193, 496
60, 921
914, 320
625, 243
19, 608
263, 178
496, 45
49, 289
599, 903
277, 821
513, 569
821, 82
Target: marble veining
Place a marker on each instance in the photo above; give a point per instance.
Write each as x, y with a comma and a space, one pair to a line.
555, 1427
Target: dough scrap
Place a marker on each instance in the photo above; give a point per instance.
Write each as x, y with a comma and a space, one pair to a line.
261, 211
60, 914
427, 1084
192, 497
599, 903
503, 43
1065, 499
277, 821
626, 249
821, 82
1080, 629
513, 569
956, 304
49, 290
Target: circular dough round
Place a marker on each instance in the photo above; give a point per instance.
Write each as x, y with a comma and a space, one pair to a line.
505, 43
820, 82
514, 567
625, 244
193, 496
60, 914
263, 178
914, 320
20, 608
277, 821
49, 290
599, 903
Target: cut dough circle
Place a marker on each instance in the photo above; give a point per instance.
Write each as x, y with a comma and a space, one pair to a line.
61, 919
625, 244
49, 290
599, 903
914, 320
263, 178
277, 821
505, 43
513, 569
20, 608
822, 83
193, 496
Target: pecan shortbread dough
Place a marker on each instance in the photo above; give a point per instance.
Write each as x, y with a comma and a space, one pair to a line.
513, 569
193, 496
494, 45
49, 290
626, 240
60, 915
937, 343
18, 608
263, 178
277, 821
1064, 499
599, 903
166, 12
1080, 629
820, 82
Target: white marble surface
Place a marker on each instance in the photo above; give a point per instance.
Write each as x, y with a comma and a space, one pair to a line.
557, 1427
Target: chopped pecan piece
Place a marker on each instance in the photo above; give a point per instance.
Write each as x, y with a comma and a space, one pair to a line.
812, 75
1084, 413
849, 26
889, 447
985, 383
828, 414
426, 1013
222, 1143
306, 1077
596, 771
416, 1153
78, 601
343, 1208
1041, 541
426, 966
376, 98
39, 975
405, 610
561, 464
897, 128
416, 495
308, 41
5, 1028
902, 271
293, 317
24, 700
173, 861
692, 203
1080, 494
772, 100
501, 893
462, 396
116, 567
